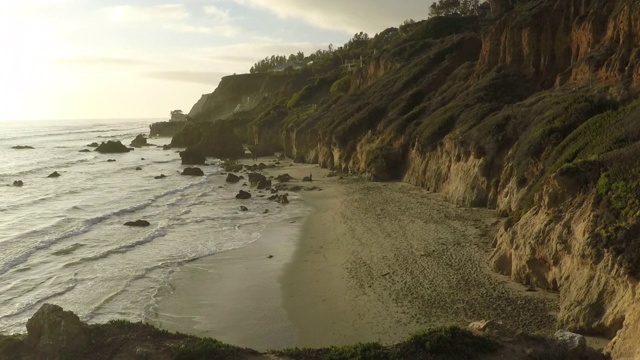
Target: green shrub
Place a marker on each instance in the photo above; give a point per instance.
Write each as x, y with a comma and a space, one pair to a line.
368, 351
340, 86
204, 349
298, 97
452, 343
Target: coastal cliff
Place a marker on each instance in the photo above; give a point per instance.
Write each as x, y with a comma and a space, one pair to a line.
532, 114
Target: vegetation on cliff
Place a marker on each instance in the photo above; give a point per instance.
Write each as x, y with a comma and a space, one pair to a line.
531, 112
55, 334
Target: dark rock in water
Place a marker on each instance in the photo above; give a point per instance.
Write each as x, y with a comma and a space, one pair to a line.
308, 178
161, 176
142, 159
166, 147
192, 157
243, 208
282, 199
57, 334
139, 223
284, 178
131, 149
243, 195
192, 171
93, 144
232, 178
54, 174
270, 257
138, 168
22, 147
112, 147
263, 184
111, 160
139, 141
255, 178
266, 211
18, 183
85, 150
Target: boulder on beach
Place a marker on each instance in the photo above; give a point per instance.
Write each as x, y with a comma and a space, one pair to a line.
138, 168
192, 157
192, 171
111, 160
112, 147
243, 195
139, 141
263, 184
232, 178
54, 174
18, 183
255, 178
22, 147
138, 223
243, 208
308, 178
284, 178
161, 176
281, 199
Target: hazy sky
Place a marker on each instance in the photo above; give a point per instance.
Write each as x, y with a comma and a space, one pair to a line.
74, 59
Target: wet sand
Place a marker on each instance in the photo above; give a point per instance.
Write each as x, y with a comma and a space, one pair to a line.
372, 262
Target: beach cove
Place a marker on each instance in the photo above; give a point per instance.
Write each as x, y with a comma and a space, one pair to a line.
371, 262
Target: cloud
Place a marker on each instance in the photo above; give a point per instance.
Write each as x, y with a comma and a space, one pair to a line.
101, 62
129, 13
217, 14
198, 77
349, 16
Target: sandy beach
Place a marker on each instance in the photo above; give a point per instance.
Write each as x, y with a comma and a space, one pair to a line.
372, 262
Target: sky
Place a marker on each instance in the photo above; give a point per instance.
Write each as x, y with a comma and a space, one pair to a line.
90, 59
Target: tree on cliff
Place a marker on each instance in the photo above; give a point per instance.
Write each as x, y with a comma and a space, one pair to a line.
177, 115
450, 7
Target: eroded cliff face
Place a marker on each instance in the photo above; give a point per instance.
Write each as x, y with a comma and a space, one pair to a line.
499, 118
572, 41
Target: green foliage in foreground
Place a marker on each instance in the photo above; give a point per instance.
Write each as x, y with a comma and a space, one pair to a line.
452, 343
440, 343
205, 348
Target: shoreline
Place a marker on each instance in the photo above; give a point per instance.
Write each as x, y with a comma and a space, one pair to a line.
371, 262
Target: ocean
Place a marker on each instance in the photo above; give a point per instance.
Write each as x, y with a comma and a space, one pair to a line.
62, 240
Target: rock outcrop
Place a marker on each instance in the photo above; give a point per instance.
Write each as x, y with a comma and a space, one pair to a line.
210, 139
57, 334
166, 128
138, 223
191, 156
139, 141
192, 171
243, 195
232, 178
112, 147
